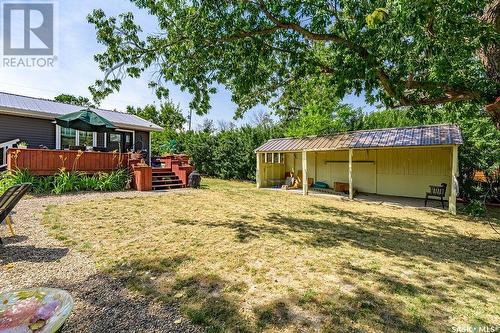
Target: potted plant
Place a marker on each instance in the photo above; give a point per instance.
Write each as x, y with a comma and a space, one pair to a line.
22, 145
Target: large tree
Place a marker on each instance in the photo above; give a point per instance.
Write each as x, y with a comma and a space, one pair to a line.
399, 53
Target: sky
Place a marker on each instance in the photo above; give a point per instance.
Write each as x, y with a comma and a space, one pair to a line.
76, 70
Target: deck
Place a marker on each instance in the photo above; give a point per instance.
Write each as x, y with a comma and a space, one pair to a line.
173, 173
44, 162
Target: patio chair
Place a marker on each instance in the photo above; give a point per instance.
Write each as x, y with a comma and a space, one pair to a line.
436, 191
9, 200
82, 148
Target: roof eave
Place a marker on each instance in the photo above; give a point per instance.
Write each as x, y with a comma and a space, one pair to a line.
53, 116
257, 151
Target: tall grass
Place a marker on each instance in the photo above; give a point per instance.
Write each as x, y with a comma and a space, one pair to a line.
67, 181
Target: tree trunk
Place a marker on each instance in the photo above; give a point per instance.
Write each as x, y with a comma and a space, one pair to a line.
490, 56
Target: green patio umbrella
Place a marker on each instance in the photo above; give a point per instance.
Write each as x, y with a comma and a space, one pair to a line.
85, 120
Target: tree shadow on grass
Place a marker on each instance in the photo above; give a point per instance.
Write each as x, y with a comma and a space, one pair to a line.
104, 304
204, 300
14, 239
393, 236
15, 253
201, 298
247, 230
363, 310
358, 310
146, 296
214, 303
244, 227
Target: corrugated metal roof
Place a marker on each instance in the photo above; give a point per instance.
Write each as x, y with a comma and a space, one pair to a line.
443, 134
47, 108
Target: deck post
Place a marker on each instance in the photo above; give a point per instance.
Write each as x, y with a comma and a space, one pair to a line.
257, 172
305, 187
351, 193
452, 200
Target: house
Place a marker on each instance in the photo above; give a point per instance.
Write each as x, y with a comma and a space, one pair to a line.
392, 161
31, 120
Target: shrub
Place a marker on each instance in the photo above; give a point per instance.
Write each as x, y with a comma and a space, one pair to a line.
64, 181
475, 208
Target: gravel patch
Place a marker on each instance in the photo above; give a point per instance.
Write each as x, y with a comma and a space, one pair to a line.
33, 259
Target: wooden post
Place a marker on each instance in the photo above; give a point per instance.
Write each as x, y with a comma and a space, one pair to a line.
452, 201
305, 187
257, 172
351, 193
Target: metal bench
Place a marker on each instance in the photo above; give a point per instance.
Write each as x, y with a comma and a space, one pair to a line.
436, 191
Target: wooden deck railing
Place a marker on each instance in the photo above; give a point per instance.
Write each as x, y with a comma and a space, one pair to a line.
43, 162
3, 151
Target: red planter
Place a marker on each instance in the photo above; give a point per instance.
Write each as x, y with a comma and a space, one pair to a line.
143, 178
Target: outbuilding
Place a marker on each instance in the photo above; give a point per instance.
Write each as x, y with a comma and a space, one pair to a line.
391, 161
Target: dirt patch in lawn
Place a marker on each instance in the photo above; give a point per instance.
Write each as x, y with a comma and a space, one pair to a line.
239, 259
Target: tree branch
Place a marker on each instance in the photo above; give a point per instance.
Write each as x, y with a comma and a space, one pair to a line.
304, 32
455, 96
248, 34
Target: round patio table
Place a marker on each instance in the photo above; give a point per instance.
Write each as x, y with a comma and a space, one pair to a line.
41, 310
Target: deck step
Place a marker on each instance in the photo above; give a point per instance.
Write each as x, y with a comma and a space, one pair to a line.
156, 175
166, 186
165, 174
161, 170
165, 178
167, 181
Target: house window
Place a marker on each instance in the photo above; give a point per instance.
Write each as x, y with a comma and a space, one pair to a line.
86, 138
274, 158
68, 137
115, 141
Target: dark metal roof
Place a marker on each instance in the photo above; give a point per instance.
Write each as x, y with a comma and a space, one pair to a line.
51, 109
430, 135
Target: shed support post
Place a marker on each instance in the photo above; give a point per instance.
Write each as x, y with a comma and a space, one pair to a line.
452, 200
257, 173
305, 187
351, 193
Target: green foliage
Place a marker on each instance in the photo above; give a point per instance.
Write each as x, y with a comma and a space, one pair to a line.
378, 16
421, 52
311, 108
227, 154
64, 182
168, 116
75, 100
475, 208
314, 120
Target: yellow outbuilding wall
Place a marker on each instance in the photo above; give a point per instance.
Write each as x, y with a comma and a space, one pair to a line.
390, 171
409, 172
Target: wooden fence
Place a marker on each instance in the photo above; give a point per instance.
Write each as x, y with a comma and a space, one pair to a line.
43, 162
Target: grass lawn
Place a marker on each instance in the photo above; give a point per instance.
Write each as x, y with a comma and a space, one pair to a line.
238, 259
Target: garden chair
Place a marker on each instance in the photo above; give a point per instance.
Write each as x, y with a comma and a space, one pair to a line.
436, 191
9, 200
